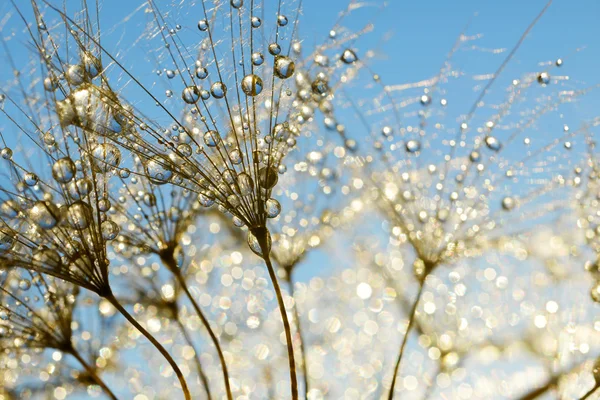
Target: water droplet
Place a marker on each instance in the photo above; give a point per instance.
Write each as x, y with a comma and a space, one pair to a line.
236, 3
203, 25
267, 177
425, 100
256, 22
559, 62
6, 153
236, 156
30, 179
284, 67
254, 244
412, 146
543, 78
320, 86
80, 215
212, 138
206, 198
348, 56
508, 203
282, 20
252, 85
80, 188
201, 73
24, 284
44, 214
387, 131
218, 90
158, 171
190, 94
272, 208
107, 156
110, 230
274, 49
63, 170
257, 58
245, 184
170, 74
492, 143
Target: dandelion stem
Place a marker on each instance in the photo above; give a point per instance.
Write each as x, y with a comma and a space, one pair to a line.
298, 328
261, 235
206, 324
588, 394
184, 387
199, 368
92, 373
405, 339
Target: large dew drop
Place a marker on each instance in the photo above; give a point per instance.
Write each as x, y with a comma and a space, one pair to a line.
157, 171
44, 214
252, 85
63, 170
254, 244
284, 67
107, 156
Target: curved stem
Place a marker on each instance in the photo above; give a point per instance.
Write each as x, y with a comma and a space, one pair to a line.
299, 329
199, 368
91, 372
261, 235
405, 339
206, 324
184, 387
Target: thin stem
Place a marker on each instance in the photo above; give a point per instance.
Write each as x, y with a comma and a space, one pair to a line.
184, 387
91, 372
199, 368
299, 329
206, 324
261, 235
405, 339
588, 394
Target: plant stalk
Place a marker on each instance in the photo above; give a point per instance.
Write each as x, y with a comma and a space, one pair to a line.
190, 342
261, 235
91, 372
405, 339
184, 387
206, 324
299, 329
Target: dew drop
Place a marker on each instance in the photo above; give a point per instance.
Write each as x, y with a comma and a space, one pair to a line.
212, 138
256, 22
284, 67
63, 170
80, 215
157, 170
267, 177
44, 214
412, 146
272, 208
254, 244
348, 56
543, 78
492, 143
190, 94
218, 90
106, 156
203, 25
110, 230
252, 85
